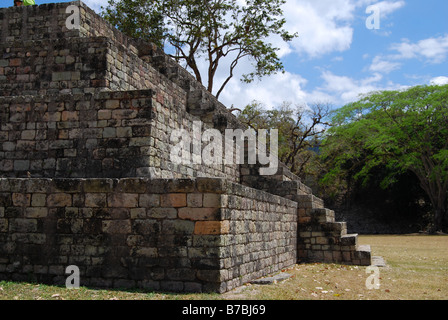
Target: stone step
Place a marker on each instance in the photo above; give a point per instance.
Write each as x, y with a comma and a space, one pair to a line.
323, 215
310, 201
335, 228
349, 240
364, 255
378, 261
200, 103
303, 189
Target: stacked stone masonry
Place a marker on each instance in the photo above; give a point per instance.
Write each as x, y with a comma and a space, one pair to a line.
204, 234
86, 117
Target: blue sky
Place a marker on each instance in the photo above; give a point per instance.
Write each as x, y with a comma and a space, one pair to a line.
336, 57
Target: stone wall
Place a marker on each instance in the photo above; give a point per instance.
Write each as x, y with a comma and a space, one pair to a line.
178, 235
53, 66
93, 135
109, 134
87, 176
36, 43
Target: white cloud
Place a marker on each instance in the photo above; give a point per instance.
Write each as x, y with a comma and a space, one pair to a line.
342, 89
327, 26
271, 91
439, 81
337, 59
388, 7
433, 50
383, 66
323, 26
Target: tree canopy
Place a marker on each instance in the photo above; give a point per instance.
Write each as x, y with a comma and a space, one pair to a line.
299, 128
399, 130
207, 29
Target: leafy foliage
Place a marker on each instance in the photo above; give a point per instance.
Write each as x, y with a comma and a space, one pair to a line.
210, 29
299, 131
400, 131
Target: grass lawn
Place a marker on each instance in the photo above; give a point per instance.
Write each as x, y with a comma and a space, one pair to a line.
417, 269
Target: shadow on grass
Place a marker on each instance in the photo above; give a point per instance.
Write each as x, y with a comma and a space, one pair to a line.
10, 289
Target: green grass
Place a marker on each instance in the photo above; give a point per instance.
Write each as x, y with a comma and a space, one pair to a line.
417, 270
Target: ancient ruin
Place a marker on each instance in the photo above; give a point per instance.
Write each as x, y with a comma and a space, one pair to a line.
86, 176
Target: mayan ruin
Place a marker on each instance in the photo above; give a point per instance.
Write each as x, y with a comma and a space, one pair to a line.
87, 179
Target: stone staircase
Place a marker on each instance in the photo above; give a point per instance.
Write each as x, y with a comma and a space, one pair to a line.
322, 239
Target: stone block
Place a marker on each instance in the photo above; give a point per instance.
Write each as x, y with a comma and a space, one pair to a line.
211, 227
70, 116
146, 227
61, 76
193, 287
181, 274
116, 226
162, 213
349, 240
172, 286
328, 256
194, 200
180, 186
149, 200
23, 225
59, 200
3, 225
132, 185
20, 200
178, 227
138, 213
95, 200
174, 200
146, 252
211, 185
124, 200
199, 213
21, 165
67, 185
124, 283
41, 212
212, 200
322, 240
15, 62
149, 285
98, 185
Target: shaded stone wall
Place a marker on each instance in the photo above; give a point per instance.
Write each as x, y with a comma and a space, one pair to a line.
110, 134
177, 235
53, 66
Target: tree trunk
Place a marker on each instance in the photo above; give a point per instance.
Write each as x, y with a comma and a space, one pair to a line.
437, 193
439, 214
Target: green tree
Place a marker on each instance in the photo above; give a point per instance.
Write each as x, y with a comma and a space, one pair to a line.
210, 29
397, 130
299, 130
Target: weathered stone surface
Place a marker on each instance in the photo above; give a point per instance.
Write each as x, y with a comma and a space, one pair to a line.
378, 261
212, 227
199, 213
